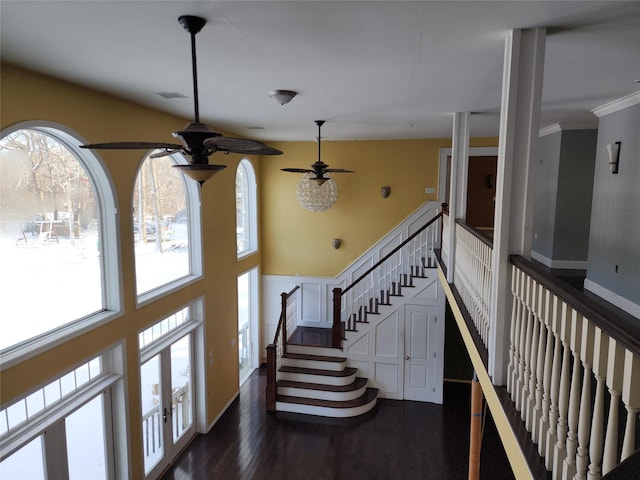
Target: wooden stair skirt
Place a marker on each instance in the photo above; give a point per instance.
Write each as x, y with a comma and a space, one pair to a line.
316, 381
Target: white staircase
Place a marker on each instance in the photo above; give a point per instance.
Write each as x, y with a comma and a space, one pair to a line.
317, 381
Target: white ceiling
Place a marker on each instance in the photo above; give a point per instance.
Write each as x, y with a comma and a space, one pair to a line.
373, 70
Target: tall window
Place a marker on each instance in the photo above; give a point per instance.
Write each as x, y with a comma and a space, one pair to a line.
165, 223
246, 209
57, 239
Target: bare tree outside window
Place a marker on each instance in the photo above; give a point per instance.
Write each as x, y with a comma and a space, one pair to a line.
160, 224
49, 237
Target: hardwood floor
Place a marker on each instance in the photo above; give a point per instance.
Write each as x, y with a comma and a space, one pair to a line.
398, 440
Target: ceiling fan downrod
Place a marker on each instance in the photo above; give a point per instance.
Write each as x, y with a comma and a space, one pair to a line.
193, 25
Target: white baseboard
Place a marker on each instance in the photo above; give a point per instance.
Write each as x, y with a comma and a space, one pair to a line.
560, 264
611, 297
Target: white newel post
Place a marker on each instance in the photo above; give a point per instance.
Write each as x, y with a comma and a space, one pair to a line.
459, 163
519, 126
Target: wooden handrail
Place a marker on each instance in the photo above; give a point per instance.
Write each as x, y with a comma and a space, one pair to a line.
618, 324
394, 251
475, 232
271, 393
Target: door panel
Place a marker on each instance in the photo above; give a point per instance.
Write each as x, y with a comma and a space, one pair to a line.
419, 363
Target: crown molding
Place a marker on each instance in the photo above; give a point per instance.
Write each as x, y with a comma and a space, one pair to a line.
558, 127
617, 105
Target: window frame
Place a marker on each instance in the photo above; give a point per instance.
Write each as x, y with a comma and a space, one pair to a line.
252, 207
110, 384
107, 207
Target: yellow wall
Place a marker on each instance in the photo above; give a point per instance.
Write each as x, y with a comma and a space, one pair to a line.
297, 241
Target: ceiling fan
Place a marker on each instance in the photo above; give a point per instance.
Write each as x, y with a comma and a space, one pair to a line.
319, 168
199, 141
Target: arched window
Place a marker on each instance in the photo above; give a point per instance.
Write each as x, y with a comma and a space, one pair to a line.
246, 209
166, 227
58, 240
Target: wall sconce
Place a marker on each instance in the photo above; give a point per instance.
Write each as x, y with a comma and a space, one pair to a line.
614, 156
336, 242
385, 191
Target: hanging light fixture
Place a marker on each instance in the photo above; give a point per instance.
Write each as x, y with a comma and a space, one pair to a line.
314, 196
317, 191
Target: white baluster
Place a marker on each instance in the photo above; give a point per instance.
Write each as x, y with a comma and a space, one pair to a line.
533, 356
554, 390
584, 420
569, 464
529, 321
560, 449
600, 355
515, 305
543, 312
631, 399
543, 424
521, 344
615, 378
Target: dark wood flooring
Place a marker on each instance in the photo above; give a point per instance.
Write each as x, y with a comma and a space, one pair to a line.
398, 440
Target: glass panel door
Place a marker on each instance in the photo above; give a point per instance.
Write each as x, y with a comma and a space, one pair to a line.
86, 442
181, 391
152, 437
167, 404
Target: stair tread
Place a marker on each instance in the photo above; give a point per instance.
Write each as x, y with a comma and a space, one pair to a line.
357, 384
316, 371
308, 356
368, 396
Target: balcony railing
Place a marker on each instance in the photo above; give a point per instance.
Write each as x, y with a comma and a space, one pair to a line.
573, 372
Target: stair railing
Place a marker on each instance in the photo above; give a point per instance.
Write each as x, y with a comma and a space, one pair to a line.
384, 280
286, 326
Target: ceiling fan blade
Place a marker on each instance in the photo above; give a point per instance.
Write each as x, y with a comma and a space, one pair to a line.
165, 153
233, 144
262, 151
132, 146
297, 170
337, 170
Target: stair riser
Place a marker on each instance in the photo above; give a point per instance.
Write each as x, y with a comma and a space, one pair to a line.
317, 364
321, 395
325, 411
310, 350
322, 379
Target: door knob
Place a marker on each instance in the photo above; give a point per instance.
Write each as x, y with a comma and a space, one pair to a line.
407, 357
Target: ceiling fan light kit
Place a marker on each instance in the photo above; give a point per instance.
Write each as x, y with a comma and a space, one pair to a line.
282, 96
199, 141
316, 190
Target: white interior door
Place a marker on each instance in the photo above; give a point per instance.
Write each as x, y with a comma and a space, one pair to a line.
420, 365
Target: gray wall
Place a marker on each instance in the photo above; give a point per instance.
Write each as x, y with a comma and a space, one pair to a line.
564, 185
546, 190
575, 190
615, 214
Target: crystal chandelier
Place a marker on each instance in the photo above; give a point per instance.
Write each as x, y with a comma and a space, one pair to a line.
316, 197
